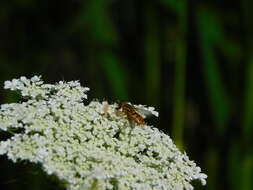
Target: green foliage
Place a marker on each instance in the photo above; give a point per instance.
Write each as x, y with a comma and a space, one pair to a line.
211, 35
116, 75
152, 54
248, 101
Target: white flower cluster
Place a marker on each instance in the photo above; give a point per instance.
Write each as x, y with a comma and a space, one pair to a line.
88, 147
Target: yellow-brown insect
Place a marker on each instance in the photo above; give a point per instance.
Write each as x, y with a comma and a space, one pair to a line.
131, 113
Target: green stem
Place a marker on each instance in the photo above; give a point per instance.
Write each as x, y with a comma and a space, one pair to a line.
152, 54
180, 76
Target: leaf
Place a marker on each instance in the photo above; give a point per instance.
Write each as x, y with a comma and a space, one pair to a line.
116, 75
210, 31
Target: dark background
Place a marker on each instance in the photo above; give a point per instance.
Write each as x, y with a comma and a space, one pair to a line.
192, 60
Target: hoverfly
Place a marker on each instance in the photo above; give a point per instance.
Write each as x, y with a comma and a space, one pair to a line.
133, 113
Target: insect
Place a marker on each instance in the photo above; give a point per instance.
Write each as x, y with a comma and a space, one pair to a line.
133, 113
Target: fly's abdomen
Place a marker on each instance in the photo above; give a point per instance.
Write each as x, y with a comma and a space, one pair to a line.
137, 118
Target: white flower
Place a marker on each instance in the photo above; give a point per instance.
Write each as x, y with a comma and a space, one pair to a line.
88, 147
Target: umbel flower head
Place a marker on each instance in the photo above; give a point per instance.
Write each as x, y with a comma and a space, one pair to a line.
88, 147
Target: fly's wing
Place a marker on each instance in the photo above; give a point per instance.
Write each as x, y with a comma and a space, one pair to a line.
146, 111
143, 112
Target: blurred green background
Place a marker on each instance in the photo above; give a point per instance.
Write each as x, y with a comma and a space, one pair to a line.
191, 59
